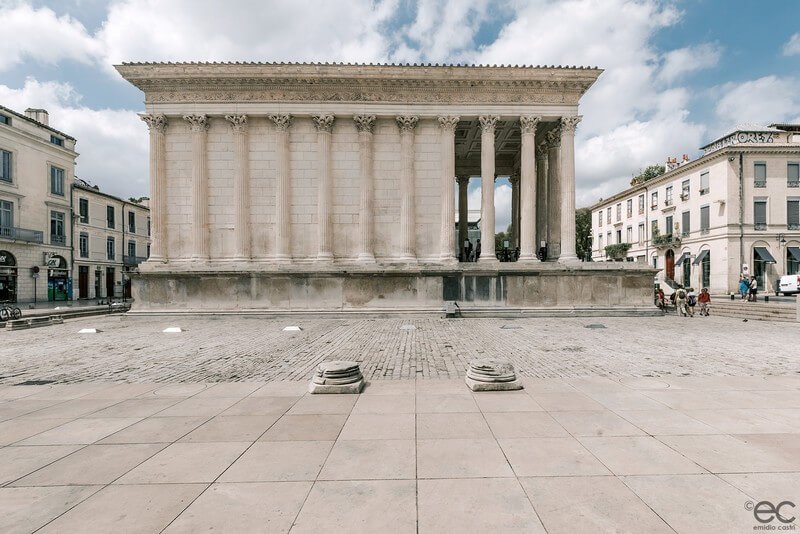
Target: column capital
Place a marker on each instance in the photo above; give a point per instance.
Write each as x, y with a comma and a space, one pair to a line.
463, 179
282, 122
554, 138
407, 123
323, 122
488, 122
570, 124
528, 123
364, 123
542, 149
155, 122
448, 123
238, 123
514, 179
198, 123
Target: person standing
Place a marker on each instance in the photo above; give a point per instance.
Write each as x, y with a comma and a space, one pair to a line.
744, 287
753, 289
478, 250
691, 301
705, 301
467, 248
680, 301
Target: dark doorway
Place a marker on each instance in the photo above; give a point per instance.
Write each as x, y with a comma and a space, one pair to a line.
706, 270
687, 272
109, 282
669, 263
83, 282
8, 277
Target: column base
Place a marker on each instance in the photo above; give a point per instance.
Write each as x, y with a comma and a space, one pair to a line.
282, 258
325, 257
488, 260
568, 258
448, 260
407, 258
365, 257
529, 258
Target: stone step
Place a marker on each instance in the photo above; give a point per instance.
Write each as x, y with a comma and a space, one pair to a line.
755, 310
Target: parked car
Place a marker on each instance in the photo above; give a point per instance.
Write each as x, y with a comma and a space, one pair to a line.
789, 284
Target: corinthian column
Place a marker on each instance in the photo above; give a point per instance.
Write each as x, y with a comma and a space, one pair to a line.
447, 243
528, 188
282, 188
199, 127
542, 214
514, 181
407, 218
488, 123
241, 187
158, 185
364, 125
324, 125
554, 192
568, 126
463, 212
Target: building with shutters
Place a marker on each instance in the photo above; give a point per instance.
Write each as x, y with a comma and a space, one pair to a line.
734, 210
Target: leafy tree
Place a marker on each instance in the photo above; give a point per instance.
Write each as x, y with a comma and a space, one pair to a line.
499, 237
653, 171
583, 233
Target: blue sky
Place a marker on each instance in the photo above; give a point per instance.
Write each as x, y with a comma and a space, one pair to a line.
678, 73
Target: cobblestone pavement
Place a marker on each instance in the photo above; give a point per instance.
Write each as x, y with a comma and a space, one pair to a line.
250, 348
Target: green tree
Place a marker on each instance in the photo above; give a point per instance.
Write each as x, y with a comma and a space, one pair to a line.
653, 171
499, 237
583, 233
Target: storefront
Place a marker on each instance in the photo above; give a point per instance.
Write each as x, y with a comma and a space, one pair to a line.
59, 284
8, 277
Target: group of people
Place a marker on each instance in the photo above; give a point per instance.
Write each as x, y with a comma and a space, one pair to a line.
468, 253
748, 288
685, 301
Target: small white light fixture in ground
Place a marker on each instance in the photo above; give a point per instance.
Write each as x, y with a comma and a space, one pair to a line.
292, 329
88, 331
408, 327
172, 330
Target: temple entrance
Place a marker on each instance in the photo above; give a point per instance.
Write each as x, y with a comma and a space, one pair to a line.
669, 262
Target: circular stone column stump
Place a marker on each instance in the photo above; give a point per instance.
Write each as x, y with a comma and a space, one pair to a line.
337, 377
491, 374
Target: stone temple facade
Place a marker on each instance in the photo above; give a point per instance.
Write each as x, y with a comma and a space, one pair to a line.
334, 187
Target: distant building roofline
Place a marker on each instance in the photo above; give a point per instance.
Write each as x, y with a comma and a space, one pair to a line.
33, 121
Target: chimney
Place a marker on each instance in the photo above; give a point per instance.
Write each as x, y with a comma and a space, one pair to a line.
686, 158
39, 115
671, 163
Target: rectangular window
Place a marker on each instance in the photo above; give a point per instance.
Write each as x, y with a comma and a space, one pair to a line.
668, 196
629, 234
608, 238
630, 208
654, 200
5, 119
6, 217
599, 241
705, 221
641, 233
669, 227
110, 252
760, 174
132, 222
704, 183
57, 236
5, 166
619, 211
641, 204
793, 214
110, 216
653, 228
84, 245
599, 218
131, 249
56, 140
619, 236
685, 190
56, 181
83, 209
608, 215
760, 214
793, 174
685, 223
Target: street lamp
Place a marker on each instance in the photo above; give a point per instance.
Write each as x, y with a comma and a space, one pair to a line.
781, 239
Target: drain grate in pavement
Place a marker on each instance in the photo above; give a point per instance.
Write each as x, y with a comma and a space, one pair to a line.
595, 325
35, 383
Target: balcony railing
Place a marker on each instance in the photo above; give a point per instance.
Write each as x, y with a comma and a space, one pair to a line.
760, 226
793, 226
760, 183
666, 240
22, 234
704, 231
58, 240
133, 260
792, 184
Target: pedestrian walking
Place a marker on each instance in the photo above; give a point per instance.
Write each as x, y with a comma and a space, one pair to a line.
691, 301
466, 247
744, 287
753, 289
705, 301
680, 301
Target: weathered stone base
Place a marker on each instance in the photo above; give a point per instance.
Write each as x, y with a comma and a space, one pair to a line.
353, 388
474, 385
387, 288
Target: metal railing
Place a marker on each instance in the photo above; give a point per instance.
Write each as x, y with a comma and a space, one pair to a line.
22, 234
133, 260
760, 183
58, 240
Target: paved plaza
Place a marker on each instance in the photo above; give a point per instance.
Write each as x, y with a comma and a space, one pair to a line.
233, 348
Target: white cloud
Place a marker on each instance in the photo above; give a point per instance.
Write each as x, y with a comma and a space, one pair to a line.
502, 203
792, 46
113, 143
761, 101
40, 35
689, 59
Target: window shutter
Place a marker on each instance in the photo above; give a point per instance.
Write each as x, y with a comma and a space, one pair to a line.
685, 222
704, 218
704, 181
760, 212
793, 213
793, 172
761, 172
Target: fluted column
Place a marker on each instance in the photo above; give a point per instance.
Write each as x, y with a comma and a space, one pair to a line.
199, 127
568, 126
158, 185
463, 212
542, 213
554, 193
514, 181
447, 243
528, 198
324, 125
241, 187
488, 123
366, 225
407, 212
283, 227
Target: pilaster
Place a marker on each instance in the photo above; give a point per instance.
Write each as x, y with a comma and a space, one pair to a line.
366, 221
283, 227
324, 126
157, 124
241, 187
200, 230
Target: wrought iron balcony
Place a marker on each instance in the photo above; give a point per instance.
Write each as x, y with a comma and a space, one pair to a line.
666, 240
58, 240
760, 226
22, 234
760, 183
133, 260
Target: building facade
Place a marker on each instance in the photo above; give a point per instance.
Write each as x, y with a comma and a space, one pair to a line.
331, 186
111, 238
37, 165
705, 222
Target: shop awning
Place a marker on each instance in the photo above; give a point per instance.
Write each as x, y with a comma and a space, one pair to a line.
683, 258
700, 257
764, 255
795, 252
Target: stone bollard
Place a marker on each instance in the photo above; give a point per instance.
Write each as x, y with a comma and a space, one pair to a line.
337, 377
492, 375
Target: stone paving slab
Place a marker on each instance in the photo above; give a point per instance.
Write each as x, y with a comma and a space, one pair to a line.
385, 461
255, 350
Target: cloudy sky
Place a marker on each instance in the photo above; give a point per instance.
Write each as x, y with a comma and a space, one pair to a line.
678, 74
